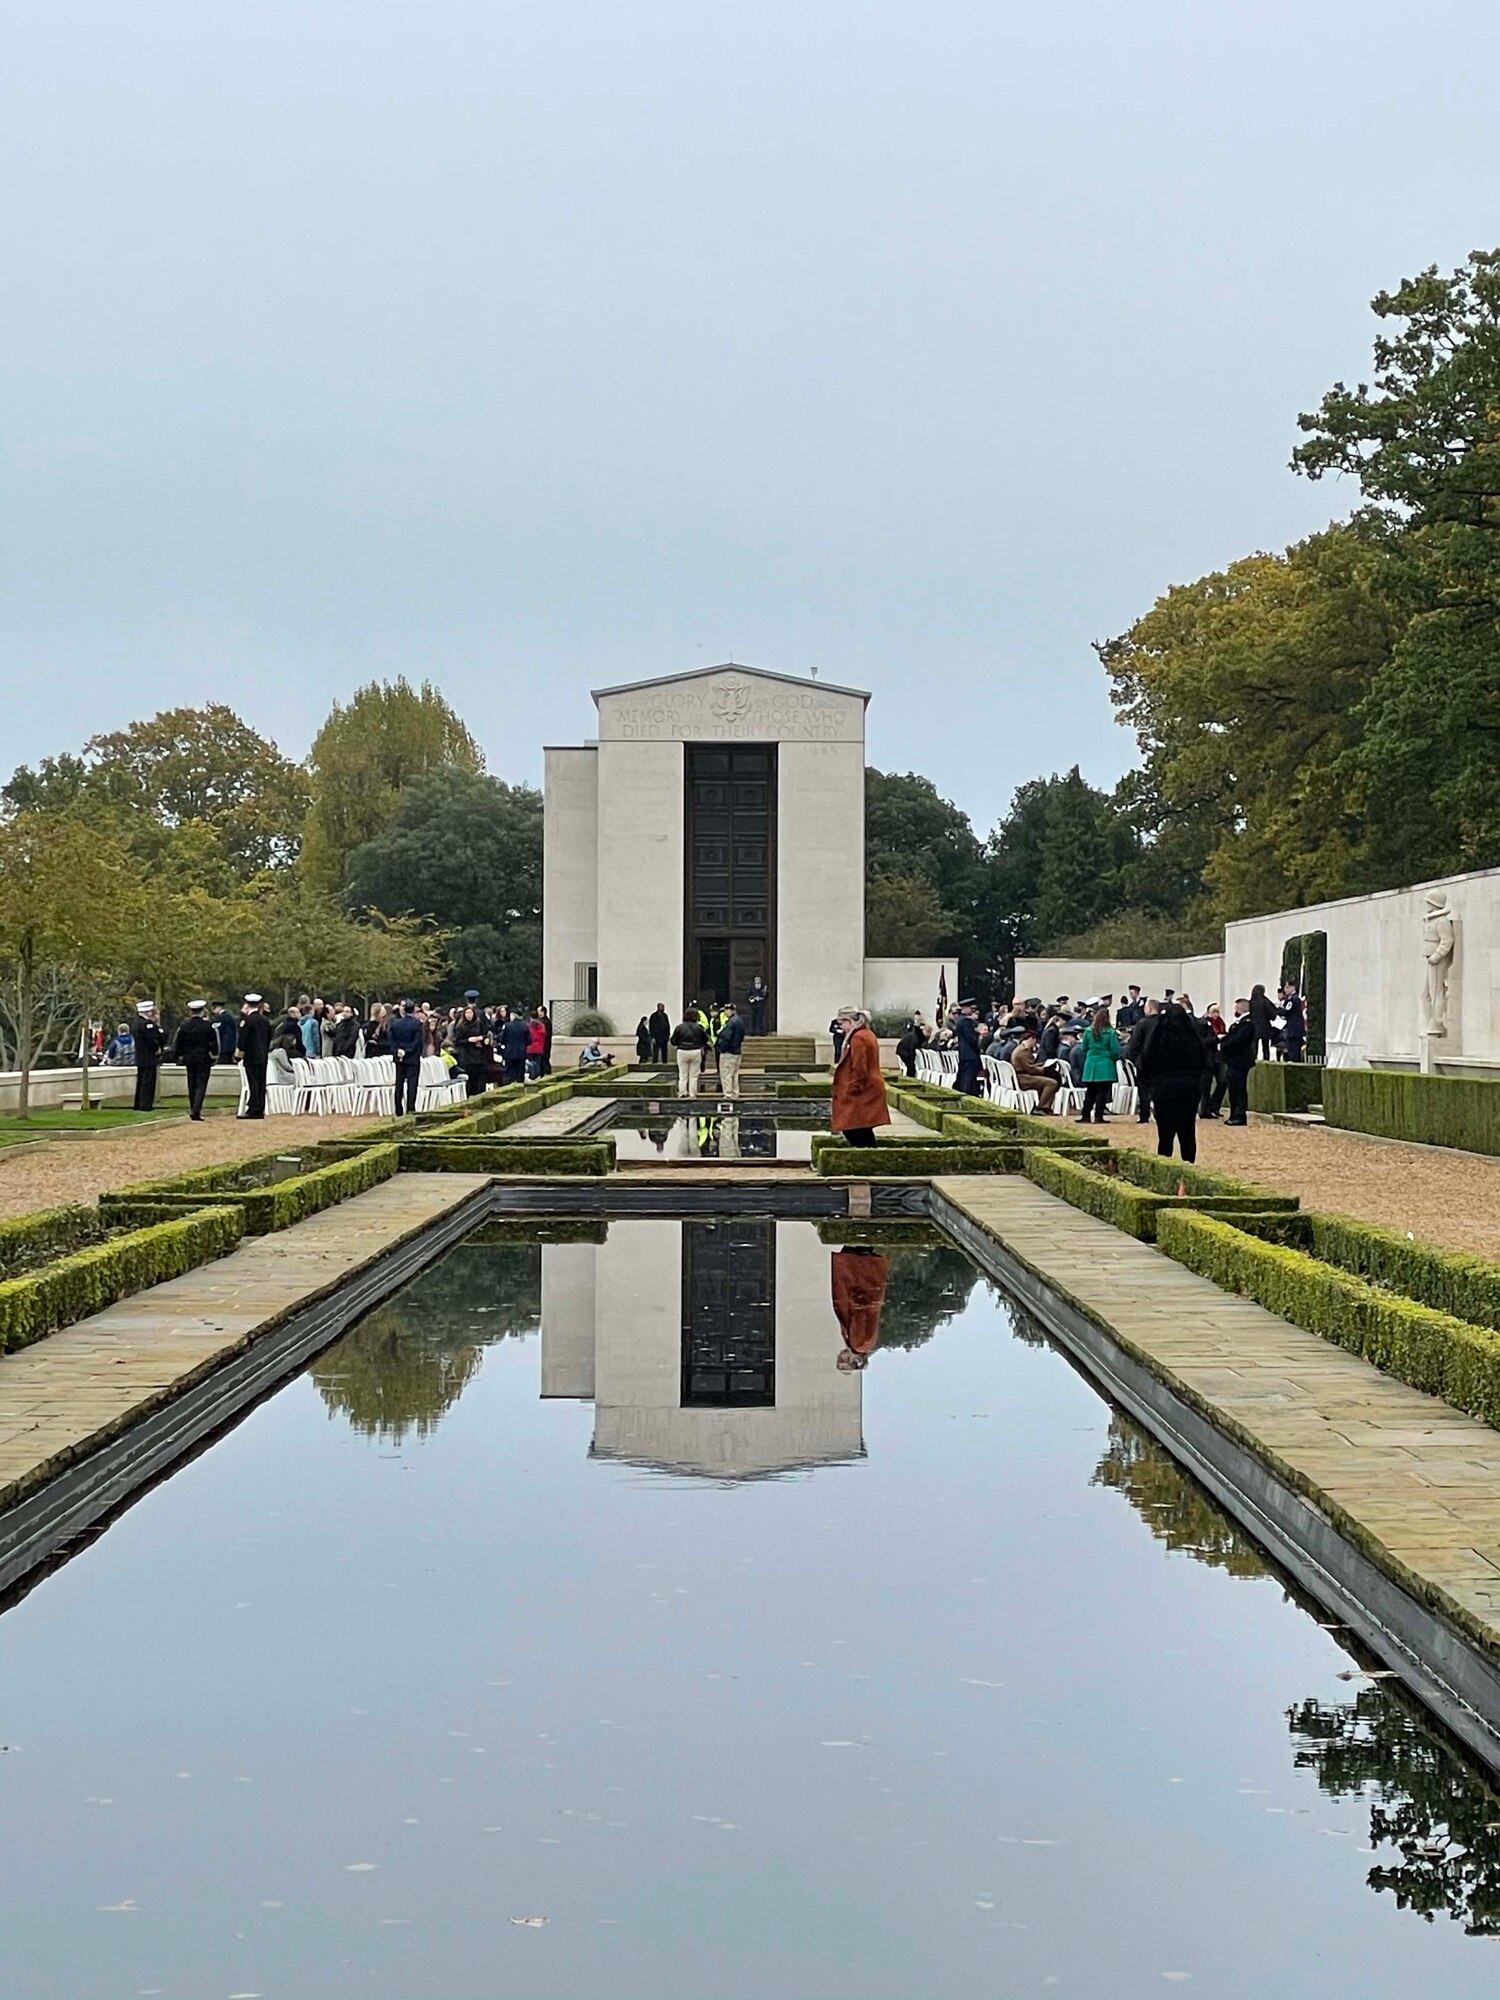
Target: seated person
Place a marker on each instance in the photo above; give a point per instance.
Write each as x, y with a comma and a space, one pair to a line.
591, 1056
1031, 1075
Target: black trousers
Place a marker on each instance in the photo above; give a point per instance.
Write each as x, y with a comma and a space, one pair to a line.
861, 1135
1143, 1103
145, 1086
197, 1083
255, 1078
408, 1070
1214, 1085
757, 1012
1239, 1096
515, 1072
966, 1083
1096, 1098
1175, 1106
474, 1082
659, 1049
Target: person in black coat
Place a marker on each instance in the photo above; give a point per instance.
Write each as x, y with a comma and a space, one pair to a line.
346, 1032
196, 1046
1238, 1052
254, 1044
150, 1042
1133, 1056
471, 1048
643, 1040
966, 1037
660, 1024
408, 1038
1131, 1011
1262, 1010
515, 1041
1294, 1034
1172, 1062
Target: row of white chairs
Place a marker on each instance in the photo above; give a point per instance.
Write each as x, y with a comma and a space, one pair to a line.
1001, 1086
359, 1085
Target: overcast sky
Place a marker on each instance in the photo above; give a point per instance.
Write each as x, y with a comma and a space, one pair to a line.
533, 348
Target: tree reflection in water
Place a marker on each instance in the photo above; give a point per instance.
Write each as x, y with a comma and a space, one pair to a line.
1428, 1802
1173, 1506
407, 1363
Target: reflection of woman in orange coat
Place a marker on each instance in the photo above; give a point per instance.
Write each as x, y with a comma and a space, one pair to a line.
859, 1279
858, 1104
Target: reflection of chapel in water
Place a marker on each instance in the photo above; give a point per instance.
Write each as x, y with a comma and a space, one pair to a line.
706, 1347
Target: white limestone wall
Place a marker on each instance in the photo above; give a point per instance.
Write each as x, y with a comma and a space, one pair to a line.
570, 867
568, 1314
640, 862
1202, 979
820, 882
1375, 966
909, 982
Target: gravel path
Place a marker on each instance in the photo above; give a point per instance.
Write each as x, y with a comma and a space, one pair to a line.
1448, 1198
67, 1170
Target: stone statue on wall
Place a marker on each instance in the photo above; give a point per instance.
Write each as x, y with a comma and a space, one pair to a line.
1437, 951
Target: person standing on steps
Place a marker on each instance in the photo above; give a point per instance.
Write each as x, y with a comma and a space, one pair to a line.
1238, 1053
660, 1024
254, 1044
756, 1002
195, 1047
730, 1043
858, 1102
408, 1038
690, 1040
1172, 1063
149, 1044
643, 1040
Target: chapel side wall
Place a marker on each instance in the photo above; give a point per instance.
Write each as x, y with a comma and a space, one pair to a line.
820, 882
570, 868
904, 983
640, 863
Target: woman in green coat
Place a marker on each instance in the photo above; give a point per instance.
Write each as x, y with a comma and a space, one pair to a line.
1102, 1054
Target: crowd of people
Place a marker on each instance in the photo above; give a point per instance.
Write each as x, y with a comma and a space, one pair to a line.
488, 1045
1185, 1065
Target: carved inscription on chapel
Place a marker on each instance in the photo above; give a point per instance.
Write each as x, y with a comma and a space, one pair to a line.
732, 710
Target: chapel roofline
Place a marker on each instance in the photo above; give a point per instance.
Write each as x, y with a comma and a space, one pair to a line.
732, 667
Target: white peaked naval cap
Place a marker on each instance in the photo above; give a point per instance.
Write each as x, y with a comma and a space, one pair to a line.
194, 1006
252, 999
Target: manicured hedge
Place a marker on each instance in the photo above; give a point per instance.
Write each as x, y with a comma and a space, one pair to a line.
805, 1086
1304, 961
27, 1241
1400, 1104
903, 1159
1448, 1280
1285, 1086
1113, 1189
266, 1208
1428, 1349
96, 1276
508, 1156
539, 1229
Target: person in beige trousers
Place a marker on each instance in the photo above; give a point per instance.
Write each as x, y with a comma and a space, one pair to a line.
731, 1041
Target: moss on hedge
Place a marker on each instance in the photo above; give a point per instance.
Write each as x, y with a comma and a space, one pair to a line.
1448, 1280
28, 1241
1431, 1110
1428, 1349
1285, 1086
904, 1159
508, 1156
88, 1280
1110, 1190
265, 1208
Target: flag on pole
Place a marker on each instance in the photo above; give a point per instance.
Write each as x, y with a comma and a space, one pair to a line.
942, 999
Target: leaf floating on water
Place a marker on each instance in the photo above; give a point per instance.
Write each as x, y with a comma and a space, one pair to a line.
839, 1743
358, 1867
127, 1904
968, 1681
1177, 1975
530, 1923
1374, 1674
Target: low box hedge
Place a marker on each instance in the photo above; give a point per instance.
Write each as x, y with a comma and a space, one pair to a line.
1120, 1189
29, 1241
802, 1086
539, 1229
1427, 1349
558, 1156
903, 1158
170, 1241
1448, 1280
1285, 1086
1399, 1104
275, 1206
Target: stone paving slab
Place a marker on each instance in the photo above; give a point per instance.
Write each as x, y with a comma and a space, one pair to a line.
66, 1393
1415, 1479
555, 1118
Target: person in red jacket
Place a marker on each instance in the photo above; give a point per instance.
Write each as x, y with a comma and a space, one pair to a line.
536, 1044
858, 1103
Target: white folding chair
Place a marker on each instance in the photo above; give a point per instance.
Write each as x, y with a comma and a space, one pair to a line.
1124, 1097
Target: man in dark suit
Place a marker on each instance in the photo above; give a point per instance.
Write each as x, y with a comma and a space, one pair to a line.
195, 1048
1132, 1012
1237, 1052
965, 1026
254, 1044
150, 1042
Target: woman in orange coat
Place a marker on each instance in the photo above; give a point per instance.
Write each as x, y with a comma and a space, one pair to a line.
859, 1278
858, 1088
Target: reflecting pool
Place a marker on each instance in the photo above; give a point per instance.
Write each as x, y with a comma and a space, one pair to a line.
712, 1135
710, 1608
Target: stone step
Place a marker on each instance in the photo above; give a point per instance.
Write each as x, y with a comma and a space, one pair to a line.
779, 1049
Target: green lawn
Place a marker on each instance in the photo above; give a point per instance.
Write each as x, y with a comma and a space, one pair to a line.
41, 1122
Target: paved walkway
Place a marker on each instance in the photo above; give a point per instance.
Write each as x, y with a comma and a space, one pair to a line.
1452, 1199
1420, 1477
556, 1118
105, 1372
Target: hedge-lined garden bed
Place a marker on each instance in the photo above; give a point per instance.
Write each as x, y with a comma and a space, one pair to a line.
1423, 1347
1132, 1190
270, 1200
1448, 1280
106, 1263
905, 1158
1285, 1086
1399, 1104
541, 1155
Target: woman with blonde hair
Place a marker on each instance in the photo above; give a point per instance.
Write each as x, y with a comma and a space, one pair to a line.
858, 1102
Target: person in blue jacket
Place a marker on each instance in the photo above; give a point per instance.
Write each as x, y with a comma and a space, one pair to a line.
407, 1038
514, 1042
